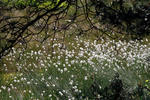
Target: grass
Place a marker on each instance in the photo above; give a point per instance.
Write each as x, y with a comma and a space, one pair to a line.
84, 70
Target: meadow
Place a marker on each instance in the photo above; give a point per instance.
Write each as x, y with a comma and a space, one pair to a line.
79, 69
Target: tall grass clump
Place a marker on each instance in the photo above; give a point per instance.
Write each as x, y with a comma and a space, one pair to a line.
83, 70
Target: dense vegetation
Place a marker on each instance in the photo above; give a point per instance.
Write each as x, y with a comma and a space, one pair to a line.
74, 50
20, 19
84, 70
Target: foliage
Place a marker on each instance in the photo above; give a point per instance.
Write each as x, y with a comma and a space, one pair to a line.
21, 20
132, 17
78, 69
21, 4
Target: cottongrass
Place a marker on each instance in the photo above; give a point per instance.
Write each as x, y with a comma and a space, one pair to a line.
70, 72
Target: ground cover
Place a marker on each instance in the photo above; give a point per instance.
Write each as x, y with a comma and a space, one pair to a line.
80, 70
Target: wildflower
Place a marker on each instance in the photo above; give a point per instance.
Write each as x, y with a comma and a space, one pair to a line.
8, 89
61, 71
49, 77
60, 93
65, 69
49, 95
3, 87
15, 80
28, 82
42, 94
24, 91
76, 90
72, 76
29, 91
85, 78
10, 96
18, 81
56, 78
74, 87
42, 79
43, 91
53, 85
71, 82
47, 85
